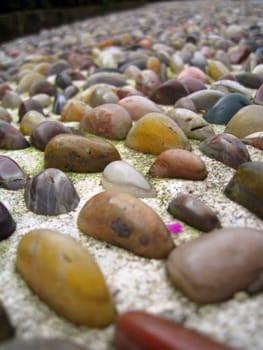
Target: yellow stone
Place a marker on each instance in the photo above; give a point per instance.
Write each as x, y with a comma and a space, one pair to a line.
66, 277
216, 69
155, 133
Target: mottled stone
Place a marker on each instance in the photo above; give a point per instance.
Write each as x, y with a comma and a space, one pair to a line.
121, 176
193, 212
246, 121
193, 125
108, 120
246, 187
225, 148
226, 108
66, 277
213, 267
102, 95
50, 192
154, 133
79, 153
123, 224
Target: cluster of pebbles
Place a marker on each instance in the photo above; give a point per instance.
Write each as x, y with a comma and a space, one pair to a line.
116, 133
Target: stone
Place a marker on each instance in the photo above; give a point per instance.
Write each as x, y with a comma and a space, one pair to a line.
204, 99
108, 120
225, 148
121, 176
7, 331
216, 69
50, 192
29, 121
123, 223
29, 105
226, 108
74, 111
193, 212
138, 106
246, 121
168, 92
7, 227
5, 115
45, 131
246, 187
213, 267
178, 163
12, 176
154, 133
192, 124
102, 95
42, 86
27, 80
11, 100
79, 154
139, 329
11, 138
66, 277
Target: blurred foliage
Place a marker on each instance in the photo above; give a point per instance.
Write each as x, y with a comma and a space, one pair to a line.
25, 5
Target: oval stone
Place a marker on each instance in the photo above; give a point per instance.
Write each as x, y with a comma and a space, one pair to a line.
30, 120
138, 106
246, 187
179, 163
192, 124
213, 267
194, 212
108, 120
65, 276
121, 176
140, 330
74, 110
246, 121
11, 138
169, 92
125, 221
79, 154
226, 108
225, 148
155, 133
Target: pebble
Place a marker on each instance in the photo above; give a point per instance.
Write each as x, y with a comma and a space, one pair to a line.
5, 115
108, 120
178, 163
11, 100
193, 212
7, 331
226, 108
26, 82
138, 106
192, 124
139, 329
7, 227
42, 86
59, 102
102, 95
213, 267
29, 121
121, 176
43, 132
29, 105
11, 138
128, 223
79, 154
154, 133
43, 99
225, 148
246, 121
66, 277
74, 110
12, 176
246, 187
169, 92
259, 95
